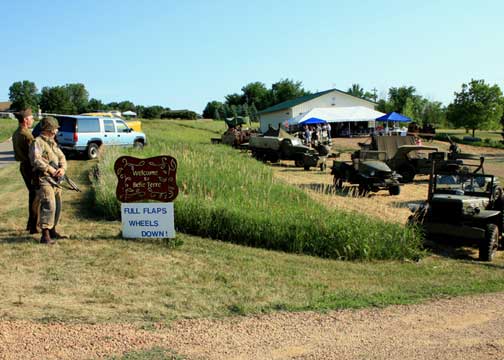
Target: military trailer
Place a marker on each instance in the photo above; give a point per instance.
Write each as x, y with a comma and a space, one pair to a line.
283, 146
368, 172
463, 203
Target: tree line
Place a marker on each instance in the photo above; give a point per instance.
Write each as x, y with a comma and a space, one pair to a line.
477, 106
74, 99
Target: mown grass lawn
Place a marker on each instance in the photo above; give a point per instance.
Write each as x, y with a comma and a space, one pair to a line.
95, 276
482, 134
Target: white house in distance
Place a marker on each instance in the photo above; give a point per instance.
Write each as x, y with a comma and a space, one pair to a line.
333, 98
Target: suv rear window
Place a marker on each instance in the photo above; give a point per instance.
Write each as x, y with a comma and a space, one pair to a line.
89, 125
67, 124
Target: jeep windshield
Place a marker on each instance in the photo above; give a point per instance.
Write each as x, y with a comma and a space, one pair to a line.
464, 184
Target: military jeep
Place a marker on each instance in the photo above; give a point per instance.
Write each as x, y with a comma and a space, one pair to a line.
463, 203
368, 172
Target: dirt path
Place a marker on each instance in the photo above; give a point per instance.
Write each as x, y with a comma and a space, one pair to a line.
459, 328
6, 153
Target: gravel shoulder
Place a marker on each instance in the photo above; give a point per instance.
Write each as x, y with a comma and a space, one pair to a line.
458, 328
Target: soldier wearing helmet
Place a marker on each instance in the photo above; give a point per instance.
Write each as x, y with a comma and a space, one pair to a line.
21, 140
43, 151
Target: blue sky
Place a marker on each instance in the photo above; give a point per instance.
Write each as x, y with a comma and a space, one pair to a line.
182, 54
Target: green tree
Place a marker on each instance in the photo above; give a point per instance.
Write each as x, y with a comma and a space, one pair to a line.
286, 89
356, 90
126, 105
139, 109
210, 108
476, 106
56, 100
23, 95
96, 105
234, 99
384, 106
408, 109
399, 96
434, 113
216, 116
256, 93
79, 97
153, 112
254, 116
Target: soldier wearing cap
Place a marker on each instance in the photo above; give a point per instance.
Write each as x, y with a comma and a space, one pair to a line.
43, 151
21, 140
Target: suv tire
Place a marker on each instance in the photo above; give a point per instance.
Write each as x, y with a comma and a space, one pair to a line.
138, 145
488, 246
92, 151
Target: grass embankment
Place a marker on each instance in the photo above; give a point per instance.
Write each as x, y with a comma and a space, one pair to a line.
7, 127
95, 276
229, 196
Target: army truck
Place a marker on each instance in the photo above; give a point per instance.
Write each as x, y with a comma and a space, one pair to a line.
368, 172
283, 146
463, 203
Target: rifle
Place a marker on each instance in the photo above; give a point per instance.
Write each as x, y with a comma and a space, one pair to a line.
59, 181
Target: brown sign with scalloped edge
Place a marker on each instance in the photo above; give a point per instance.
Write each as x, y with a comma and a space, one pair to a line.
146, 179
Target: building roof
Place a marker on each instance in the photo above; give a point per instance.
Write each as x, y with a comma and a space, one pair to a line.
5, 105
338, 114
291, 103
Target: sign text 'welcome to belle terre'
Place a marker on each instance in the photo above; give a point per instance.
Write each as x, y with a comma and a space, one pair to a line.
146, 179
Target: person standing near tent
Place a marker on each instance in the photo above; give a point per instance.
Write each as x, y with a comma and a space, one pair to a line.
328, 127
21, 140
307, 135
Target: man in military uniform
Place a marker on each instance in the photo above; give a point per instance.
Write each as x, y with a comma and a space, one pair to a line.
21, 140
43, 151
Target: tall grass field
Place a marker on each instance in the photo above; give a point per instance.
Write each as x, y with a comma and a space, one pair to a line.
7, 127
227, 195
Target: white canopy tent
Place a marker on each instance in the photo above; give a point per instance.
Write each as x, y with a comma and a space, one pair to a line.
129, 113
339, 115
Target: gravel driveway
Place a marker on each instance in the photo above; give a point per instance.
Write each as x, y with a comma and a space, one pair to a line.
460, 328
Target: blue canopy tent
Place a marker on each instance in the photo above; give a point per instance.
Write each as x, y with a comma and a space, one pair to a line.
312, 121
393, 117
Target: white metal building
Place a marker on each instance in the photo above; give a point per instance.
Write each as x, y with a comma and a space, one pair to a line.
280, 113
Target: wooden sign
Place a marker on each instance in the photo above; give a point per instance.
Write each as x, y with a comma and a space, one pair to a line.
146, 179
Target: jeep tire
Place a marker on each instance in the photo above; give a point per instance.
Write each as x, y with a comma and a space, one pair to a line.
488, 246
92, 151
407, 172
394, 190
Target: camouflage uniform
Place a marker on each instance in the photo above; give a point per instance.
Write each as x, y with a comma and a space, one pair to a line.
21, 140
42, 151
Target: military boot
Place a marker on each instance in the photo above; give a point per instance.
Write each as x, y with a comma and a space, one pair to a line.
56, 235
32, 227
46, 237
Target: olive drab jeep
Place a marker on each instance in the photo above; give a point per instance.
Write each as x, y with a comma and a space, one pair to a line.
367, 171
463, 203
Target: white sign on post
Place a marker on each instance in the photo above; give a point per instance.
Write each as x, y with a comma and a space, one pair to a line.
147, 220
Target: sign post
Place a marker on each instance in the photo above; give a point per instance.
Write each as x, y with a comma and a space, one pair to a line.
152, 179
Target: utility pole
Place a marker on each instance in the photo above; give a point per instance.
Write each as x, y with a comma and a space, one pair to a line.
374, 90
